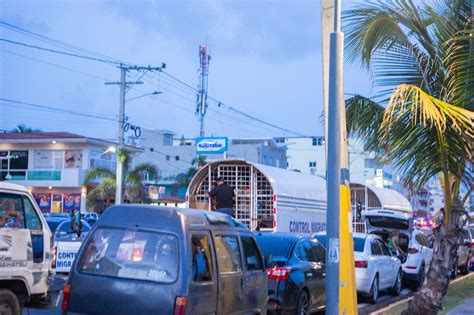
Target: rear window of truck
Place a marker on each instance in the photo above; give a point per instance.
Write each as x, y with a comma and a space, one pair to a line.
128, 254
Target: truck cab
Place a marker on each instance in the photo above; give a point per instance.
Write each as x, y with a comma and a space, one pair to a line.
25, 249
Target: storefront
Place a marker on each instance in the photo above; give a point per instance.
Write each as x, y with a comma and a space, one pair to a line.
59, 201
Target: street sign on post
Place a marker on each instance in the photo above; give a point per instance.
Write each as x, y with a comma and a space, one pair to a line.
211, 145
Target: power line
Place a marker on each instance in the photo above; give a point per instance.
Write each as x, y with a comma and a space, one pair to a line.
55, 42
60, 52
53, 64
55, 109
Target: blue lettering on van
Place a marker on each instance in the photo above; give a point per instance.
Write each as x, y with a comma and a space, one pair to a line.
306, 227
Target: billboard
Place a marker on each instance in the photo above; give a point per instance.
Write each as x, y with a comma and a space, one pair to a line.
211, 145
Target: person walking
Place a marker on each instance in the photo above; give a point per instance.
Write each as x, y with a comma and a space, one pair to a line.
224, 195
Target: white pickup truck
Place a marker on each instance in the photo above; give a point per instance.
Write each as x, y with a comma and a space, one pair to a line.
25, 249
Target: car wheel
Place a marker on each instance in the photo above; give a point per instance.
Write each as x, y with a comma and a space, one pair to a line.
397, 287
454, 273
302, 306
374, 291
9, 304
420, 278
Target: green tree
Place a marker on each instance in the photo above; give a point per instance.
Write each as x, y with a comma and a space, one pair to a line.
100, 197
184, 179
420, 58
22, 128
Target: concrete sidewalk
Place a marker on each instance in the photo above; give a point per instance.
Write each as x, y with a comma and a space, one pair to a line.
465, 308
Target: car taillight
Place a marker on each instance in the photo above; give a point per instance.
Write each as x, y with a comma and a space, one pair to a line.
53, 261
278, 273
361, 264
66, 294
180, 305
413, 250
410, 267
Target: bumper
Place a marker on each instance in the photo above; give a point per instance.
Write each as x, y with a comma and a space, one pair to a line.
363, 281
281, 297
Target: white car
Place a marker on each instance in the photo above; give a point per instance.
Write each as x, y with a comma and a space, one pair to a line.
412, 241
376, 268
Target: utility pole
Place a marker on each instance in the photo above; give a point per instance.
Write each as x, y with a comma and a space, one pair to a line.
121, 122
201, 107
341, 295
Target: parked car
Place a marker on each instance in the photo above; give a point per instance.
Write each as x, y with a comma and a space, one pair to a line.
167, 260
90, 217
376, 268
296, 272
464, 254
412, 241
67, 244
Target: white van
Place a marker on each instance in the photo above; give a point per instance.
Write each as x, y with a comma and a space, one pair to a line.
25, 249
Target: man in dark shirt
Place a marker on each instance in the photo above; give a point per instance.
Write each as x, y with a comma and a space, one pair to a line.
224, 197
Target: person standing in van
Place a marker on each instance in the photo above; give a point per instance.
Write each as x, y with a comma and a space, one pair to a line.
224, 195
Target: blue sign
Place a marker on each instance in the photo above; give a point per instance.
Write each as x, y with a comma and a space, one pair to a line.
211, 145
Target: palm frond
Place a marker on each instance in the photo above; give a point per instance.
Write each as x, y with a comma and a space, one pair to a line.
96, 173
363, 119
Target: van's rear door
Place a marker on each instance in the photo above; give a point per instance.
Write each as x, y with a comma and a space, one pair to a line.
202, 274
125, 271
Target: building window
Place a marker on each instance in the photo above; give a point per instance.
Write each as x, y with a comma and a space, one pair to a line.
318, 141
280, 140
176, 158
312, 164
104, 159
167, 158
13, 165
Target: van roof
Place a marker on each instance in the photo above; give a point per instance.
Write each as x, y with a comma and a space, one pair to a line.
10, 186
166, 218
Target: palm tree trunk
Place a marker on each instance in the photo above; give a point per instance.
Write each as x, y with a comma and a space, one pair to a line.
429, 299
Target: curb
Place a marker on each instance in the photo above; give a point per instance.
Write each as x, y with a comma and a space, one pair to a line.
381, 311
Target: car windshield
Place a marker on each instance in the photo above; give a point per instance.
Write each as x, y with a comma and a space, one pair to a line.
359, 244
277, 246
65, 226
132, 255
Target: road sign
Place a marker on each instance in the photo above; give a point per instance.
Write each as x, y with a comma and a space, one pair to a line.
211, 145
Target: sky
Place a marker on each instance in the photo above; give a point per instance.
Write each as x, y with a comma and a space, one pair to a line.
265, 61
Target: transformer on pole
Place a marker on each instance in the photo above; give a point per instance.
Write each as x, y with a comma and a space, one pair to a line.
201, 106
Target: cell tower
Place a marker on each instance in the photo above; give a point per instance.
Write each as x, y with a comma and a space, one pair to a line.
201, 107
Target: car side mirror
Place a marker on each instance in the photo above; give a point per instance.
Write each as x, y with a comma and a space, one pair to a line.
268, 261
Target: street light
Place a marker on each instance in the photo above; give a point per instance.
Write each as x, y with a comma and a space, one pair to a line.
147, 94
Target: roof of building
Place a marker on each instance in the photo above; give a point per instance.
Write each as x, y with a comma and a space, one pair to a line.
39, 136
61, 136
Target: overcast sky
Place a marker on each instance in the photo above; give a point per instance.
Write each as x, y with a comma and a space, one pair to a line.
266, 61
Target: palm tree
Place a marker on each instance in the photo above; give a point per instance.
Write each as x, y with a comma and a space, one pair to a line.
420, 58
184, 179
102, 195
22, 128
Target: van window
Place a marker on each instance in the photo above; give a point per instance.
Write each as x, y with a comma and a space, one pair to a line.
228, 254
253, 258
132, 255
11, 211
201, 258
33, 222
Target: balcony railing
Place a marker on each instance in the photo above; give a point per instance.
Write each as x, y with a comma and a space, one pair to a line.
20, 175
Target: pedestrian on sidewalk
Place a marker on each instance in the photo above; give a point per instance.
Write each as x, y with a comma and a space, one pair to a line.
224, 195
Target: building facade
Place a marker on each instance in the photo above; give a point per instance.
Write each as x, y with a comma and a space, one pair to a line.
52, 165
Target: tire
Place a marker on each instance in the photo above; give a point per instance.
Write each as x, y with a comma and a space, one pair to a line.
454, 272
397, 287
465, 269
374, 291
421, 277
9, 304
302, 304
